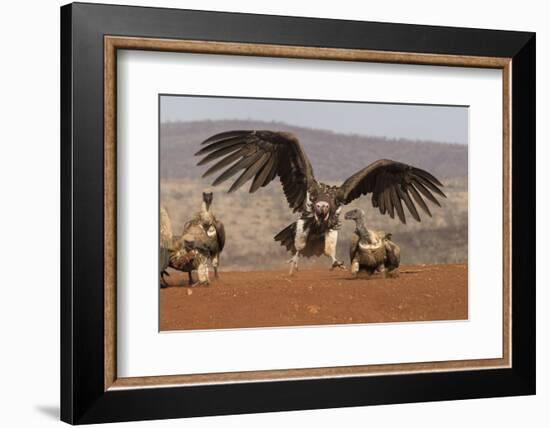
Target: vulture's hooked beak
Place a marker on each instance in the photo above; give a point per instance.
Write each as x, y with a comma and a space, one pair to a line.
355, 214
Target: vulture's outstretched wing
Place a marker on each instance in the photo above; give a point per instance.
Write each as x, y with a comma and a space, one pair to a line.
220, 234
261, 155
392, 183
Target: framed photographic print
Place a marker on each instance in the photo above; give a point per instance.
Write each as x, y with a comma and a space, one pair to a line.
264, 213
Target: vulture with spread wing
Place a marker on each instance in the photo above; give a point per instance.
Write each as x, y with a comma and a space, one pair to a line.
261, 156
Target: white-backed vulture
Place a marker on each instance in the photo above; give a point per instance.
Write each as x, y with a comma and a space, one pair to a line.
371, 251
179, 254
205, 230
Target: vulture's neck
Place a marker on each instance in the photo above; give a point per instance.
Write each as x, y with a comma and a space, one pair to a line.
205, 208
364, 234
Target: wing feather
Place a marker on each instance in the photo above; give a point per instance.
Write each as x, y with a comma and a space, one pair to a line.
236, 167
219, 153
428, 176
419, 199
390, 183
381, 200
222, 136
272, 173
222, 144
388, 202
404, 195
425, 192
226, 161
397, 203
263, 155
249, 172
220, 234
429, 185
262, 175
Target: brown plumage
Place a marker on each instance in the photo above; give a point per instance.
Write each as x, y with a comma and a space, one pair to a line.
166, 234
371, 250
166, 243
260, 156
179, 254
186, 258
206, 231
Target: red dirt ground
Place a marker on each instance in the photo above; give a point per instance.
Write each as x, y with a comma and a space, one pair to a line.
315, 297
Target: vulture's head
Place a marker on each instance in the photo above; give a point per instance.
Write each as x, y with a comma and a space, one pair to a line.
321, 211
207, 198
323, 206
356, 214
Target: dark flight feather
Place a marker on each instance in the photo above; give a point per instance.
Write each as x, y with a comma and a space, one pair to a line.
430, 185
263, 155
419, 200
236, 167
222, 136
425, 192
220, 234
388, 202
404, 195
428, 177
262, 175
389, 182
250, 171
226, 161
218, 153
222, 144
397, 203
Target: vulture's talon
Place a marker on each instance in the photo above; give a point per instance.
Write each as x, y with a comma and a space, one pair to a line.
293, 266
337, 265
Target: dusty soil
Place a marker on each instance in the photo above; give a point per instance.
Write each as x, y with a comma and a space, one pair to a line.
315, 297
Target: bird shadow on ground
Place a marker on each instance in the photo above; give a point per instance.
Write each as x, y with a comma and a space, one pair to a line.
49, 410
365, 277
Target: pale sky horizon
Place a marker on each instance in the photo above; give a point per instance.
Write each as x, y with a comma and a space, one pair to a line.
444, 124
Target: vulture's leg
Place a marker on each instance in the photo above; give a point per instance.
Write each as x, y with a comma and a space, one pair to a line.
293, 263
202, 272
300, 241
190, 273
331, 239
382, 269
355, 267
215, 264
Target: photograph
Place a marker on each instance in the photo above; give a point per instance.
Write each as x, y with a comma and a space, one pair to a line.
263, 211
294, 212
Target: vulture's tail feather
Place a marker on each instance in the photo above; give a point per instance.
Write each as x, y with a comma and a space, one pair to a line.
286, 237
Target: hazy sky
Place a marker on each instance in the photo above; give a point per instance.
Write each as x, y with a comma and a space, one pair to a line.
445, 124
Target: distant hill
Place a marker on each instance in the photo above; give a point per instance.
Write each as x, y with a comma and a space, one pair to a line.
334, 156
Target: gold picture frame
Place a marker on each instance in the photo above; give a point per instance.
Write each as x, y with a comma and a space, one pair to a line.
114, 43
